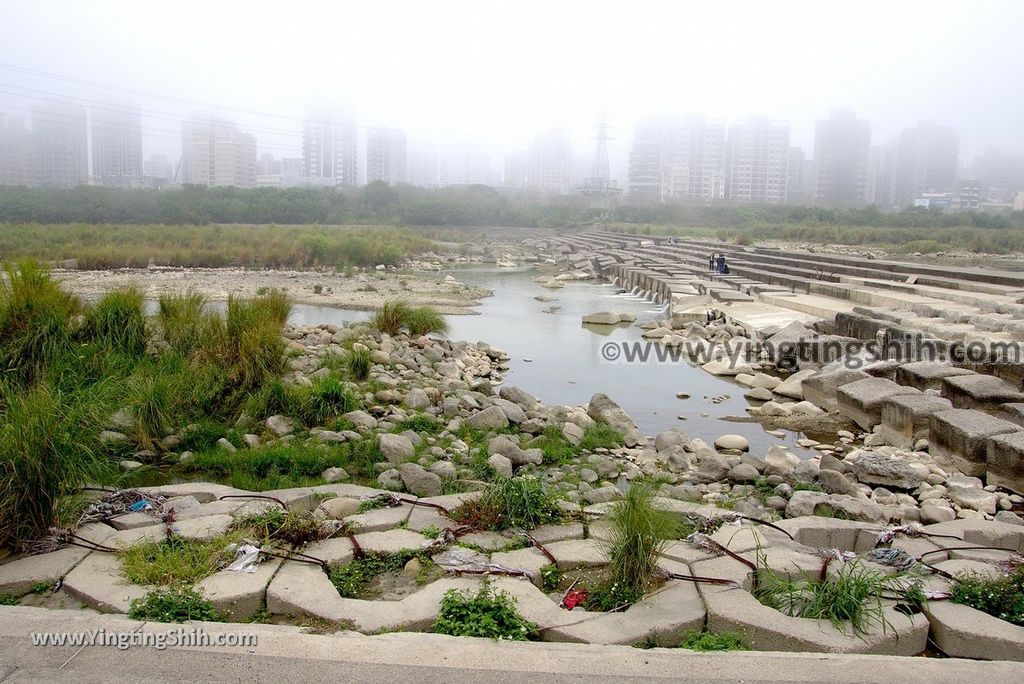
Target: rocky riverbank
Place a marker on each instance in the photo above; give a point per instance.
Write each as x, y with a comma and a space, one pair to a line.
364, 289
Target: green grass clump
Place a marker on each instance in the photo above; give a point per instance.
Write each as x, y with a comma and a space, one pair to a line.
182, 320
36, 320
423, 320
421, 422
509, 502
151, 404
391, 317
48, 450
280, 466
557, 449
297, 528
851, 596
601, 435
350, 580
118, 321
173, 604
175, 560
8, 600
328, 398
711, 641
489, 614
639, 533
358, 363
1001, 597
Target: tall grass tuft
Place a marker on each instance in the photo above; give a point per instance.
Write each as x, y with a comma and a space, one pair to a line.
639, 533
358, 363
47, 452
118, 321
36, 319
151, 399
182, 321
423, 320
510, 502
391, 317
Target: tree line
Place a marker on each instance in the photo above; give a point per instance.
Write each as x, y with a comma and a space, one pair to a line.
474, 205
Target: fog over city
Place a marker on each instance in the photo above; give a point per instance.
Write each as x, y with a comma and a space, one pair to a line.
467, 72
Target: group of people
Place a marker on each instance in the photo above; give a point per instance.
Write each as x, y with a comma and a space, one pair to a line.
716, 264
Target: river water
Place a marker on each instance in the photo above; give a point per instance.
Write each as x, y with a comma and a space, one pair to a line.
559, 360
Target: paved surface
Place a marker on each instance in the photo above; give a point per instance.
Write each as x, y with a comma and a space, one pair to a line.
285, 654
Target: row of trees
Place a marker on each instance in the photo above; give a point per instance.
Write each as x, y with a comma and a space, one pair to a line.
475, 205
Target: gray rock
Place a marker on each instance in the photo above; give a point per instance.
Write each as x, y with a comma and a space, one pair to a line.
280, 425
664, 441
501, 464
444, 470
871, 467
732, 442
227, 446
396, 448
491, 418
513, 412
419, 481
934, 513
820, 503
588, 475
333, 474
391, 480
417, 399
712, 468
743, 473
573, 433
361, 420
603, 494
603, 410
834, 482
111, 437
974, 498
1009, 518
517, 396
250, 440
778, 461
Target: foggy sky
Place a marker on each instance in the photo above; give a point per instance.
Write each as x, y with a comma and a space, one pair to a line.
497, 73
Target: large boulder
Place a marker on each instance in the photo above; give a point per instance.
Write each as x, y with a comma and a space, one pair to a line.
513, 411
792, 386
665, 441
835, 506
732, 443
419, 481
602, 318
417, 399
873, 468
778, 461
396, 448
517, 396
491, 418
603, 410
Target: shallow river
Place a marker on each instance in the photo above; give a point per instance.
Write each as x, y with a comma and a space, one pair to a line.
565, 358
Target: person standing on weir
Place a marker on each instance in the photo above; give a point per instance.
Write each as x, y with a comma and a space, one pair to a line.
711, 262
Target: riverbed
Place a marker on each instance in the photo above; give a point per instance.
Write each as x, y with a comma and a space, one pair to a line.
561, 361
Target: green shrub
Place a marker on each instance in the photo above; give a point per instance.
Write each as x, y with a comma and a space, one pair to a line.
423, 320
601, 435
283, 465
358, 363
47, 452
8, 600
711, 641
556, 448
488, 614
173, 604
508, 502
391, 317
297, 528
1001, 596
118, 321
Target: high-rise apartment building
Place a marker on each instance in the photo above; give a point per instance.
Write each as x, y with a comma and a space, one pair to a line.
386, 156
549, 164
881, 188
330, 146
216, 153
116, 145
159, 167
693, 160
15, 152
842, 153
464, 165
644, 180
60, 156
926, 162
757, 155
1000, 175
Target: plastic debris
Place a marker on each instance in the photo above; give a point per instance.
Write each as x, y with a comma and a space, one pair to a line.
908, 530
897, 558
247, 557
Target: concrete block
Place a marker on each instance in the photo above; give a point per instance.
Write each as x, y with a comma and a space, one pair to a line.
862, 400
983, 392
958, 438
963, 632
925, 375
820, 389
239, 595
1006, 461
97, 582
1013, 412
905, 417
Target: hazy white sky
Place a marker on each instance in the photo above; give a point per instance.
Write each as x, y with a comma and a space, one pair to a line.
498, 72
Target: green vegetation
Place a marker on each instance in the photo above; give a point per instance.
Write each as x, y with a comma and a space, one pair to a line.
8, 600
421, 422
489, 614
173, 604
296, 528
423, 320
1001, 596
710, 641
851, 595
508, 502
395, 316
558, 450
639, 533
351, 580
174, 560
601, 435
119, 322
358, 363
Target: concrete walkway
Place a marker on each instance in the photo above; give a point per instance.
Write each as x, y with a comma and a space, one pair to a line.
287, 654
